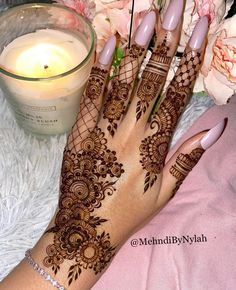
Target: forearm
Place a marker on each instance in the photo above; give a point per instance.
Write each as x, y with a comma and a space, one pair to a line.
25, 277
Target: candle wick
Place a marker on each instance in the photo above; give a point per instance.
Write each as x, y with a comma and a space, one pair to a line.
45, 66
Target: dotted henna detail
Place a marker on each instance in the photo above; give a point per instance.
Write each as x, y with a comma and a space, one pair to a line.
184, 164
153, 78
87, 178
166, 118
89, 107
121, 87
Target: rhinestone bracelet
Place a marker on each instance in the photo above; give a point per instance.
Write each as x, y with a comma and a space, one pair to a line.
41, 271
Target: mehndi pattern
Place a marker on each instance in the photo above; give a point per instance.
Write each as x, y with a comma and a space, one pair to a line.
153, 78
121, 87
89, 107
88, 177
153, 149
184, 164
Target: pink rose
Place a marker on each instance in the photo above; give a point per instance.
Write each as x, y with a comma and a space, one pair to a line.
103, 29
219, 66
114, 17
83, 7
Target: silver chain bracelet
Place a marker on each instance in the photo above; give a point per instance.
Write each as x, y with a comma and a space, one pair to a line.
41, 271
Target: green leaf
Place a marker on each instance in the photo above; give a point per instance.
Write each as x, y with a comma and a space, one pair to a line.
119, 54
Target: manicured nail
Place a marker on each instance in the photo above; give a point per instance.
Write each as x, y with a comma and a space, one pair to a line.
146, 29
199, 33
107, 52
173, 14
213, 134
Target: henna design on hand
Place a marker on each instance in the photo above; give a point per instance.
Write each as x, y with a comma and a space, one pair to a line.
118, 97
89, 107
183, 165
153, 78
154, 148
88, 177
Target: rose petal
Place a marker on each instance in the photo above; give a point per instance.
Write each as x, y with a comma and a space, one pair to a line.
216, 89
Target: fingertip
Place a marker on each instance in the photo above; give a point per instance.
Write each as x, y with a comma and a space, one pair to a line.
146, 29
213, 134
199, 33
108, 50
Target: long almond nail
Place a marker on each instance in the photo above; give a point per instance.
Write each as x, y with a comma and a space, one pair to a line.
173, 14
146, 29
213, 135
107, 52
199, 33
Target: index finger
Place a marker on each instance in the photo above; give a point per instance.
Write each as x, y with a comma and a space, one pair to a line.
91, 100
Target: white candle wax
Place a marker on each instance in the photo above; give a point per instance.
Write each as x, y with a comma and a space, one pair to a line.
45, 106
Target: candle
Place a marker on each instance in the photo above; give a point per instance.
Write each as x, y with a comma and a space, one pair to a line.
43, 54
45, 105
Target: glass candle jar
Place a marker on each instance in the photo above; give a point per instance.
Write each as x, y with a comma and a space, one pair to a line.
46, 54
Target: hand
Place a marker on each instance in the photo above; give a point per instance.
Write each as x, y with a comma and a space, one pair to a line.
114, 177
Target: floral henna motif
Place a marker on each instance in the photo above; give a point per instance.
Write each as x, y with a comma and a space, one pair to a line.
153, 152
89, 107
183, 165
166, 118
84, 185
117, 99
153, 78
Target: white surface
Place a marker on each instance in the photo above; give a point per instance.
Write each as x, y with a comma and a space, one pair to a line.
29, 179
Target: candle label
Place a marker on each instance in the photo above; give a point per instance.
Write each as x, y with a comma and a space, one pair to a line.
47, 118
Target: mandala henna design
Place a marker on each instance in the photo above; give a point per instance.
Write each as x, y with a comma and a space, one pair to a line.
121, 87
84, 185
153, 78
166, 118
183, 165
89, 107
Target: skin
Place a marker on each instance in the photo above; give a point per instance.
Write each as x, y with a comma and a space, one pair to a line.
133, 199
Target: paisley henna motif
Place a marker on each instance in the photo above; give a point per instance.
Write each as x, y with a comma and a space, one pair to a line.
121, 87
165, 120
88, 177
153, 78
183, 165
89, 107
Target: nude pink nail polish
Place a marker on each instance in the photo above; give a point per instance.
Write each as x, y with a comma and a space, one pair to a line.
213, 134
107, 52
199, 33
146, 29
173, 15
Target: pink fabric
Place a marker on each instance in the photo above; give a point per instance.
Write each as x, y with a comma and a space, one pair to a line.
205, 204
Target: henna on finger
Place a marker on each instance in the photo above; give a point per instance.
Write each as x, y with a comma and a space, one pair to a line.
183, 165
89, 107
154, 148
122, 85
91, 100
153, 78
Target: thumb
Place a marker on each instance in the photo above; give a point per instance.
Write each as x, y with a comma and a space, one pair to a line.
184, 159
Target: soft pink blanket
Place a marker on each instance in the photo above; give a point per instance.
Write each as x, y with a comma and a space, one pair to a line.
203, 211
